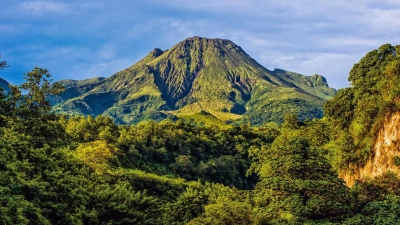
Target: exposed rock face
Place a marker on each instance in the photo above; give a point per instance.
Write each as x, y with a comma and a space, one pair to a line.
386, 149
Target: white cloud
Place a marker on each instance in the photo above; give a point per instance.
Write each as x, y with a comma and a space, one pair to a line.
41, 8
325, 64
97, 37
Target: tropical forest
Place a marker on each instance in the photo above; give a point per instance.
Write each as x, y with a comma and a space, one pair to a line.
201, 133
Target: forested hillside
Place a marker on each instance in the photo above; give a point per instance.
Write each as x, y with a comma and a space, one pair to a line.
60, 169
361, 114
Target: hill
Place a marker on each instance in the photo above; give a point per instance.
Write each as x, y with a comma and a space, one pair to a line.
365, 118
197, 74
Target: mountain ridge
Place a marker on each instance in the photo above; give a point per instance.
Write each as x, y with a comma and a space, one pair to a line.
214, 75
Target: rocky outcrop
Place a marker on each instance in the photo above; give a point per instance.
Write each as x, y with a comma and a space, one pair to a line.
386, 153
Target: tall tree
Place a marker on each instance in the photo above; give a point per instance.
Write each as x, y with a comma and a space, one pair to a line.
297, 184
29, 111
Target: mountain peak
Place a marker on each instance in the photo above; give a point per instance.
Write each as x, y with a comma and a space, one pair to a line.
209, 42
156, 52
198, 38
199, 74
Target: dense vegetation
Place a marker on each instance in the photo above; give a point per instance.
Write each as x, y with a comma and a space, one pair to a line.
357, 113
82, 170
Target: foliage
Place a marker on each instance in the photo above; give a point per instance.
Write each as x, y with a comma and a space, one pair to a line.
297, 183
29, 112
193, 152
83, 170
95, 154
224, 206
357, 112
375, 189
396, 160
386, 211
3, 64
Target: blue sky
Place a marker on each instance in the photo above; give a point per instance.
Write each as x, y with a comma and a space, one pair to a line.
84, 39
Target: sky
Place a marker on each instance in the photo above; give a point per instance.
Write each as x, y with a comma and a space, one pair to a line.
78, 39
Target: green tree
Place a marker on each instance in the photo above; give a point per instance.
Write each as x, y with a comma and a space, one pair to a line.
297, 184
225, 205
3, 64
189, 205
291, 121
385, 212
96, 154
15, 209
121, 204
357, 113
38, 86
225, 212
30, 111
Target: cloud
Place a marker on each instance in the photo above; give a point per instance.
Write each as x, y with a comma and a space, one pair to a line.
42, 8
325, 64
86, 38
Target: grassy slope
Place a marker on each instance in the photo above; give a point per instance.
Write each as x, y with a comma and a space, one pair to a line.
75, 83
212, 75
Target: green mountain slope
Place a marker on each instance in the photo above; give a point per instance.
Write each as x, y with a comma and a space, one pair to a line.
75, 88
198, 74
76, 83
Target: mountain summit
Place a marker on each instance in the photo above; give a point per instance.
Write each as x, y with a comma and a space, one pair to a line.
197, 75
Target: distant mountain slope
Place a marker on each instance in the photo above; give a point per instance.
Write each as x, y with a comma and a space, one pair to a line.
315, 84
75, 83
75, 88
4, 85
198, 74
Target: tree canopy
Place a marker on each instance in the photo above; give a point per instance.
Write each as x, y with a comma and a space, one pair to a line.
58, 169
357, 112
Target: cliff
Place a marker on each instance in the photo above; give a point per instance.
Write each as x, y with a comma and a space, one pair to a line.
385, 155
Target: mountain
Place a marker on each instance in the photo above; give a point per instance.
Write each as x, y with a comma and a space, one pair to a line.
74, 83
197, 75
4, 85
74, 88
